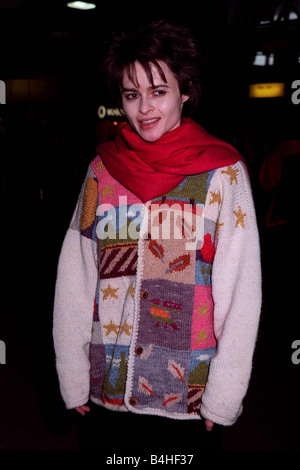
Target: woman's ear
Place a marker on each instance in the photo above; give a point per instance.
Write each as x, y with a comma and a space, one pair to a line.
184, 98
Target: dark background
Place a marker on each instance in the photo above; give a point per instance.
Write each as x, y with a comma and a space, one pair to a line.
49, 129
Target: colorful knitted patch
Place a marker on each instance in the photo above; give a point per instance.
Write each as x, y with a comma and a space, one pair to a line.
116, 372
166, 314
202, 324
181, 380
164, 390
118, 260
109, 190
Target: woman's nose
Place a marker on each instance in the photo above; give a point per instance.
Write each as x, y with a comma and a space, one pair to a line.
145, 105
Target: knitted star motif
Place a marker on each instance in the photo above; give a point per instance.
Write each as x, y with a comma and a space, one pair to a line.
201, 336
107, 191
240, 216
232, 173
130, 291
218, 225
203, 310
109, 292
111, 328
125, 328
215, 197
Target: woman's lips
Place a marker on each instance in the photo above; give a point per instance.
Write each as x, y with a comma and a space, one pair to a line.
148, 123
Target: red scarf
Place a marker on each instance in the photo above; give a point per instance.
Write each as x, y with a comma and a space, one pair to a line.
150, 170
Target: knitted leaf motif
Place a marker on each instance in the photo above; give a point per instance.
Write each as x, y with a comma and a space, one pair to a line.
162, 316
171, 399
145, 387
179, 264
187, 230
156, 249
176, 369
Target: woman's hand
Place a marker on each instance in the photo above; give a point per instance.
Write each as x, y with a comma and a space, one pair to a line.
209, 425
82, 409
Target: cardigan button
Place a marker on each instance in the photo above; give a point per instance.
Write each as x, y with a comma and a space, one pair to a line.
139, 350
133, 401
144, 294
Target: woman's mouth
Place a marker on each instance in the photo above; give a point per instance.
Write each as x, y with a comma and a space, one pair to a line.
148, 123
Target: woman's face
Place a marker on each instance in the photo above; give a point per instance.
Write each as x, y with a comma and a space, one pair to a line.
152, 111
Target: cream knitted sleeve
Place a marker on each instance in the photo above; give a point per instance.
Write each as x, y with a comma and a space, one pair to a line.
74, 299
236, 289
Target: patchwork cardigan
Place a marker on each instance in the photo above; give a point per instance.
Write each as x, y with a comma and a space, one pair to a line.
157, 305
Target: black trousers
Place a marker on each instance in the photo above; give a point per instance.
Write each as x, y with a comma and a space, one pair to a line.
112, 432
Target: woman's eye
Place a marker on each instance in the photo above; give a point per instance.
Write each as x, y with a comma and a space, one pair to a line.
159, 92
131, 96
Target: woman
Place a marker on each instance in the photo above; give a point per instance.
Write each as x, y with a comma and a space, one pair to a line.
161, 261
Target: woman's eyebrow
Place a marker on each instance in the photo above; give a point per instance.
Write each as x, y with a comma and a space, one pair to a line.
162, 85
128, 89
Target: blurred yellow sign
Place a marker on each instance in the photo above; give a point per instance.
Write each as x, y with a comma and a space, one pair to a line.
266, 90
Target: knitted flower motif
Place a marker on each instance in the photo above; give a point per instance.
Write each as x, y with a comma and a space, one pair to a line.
208, 249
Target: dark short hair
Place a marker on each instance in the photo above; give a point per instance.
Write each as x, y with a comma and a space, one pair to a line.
158, 41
